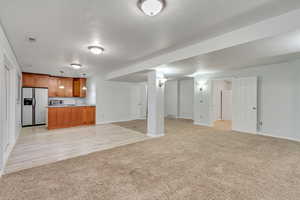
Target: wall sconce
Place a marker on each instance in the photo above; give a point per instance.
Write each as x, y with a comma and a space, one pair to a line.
202, 85
161, 82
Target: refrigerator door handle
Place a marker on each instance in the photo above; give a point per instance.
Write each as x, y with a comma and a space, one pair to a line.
33, 102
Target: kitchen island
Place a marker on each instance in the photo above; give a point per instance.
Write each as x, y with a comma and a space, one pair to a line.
65, 116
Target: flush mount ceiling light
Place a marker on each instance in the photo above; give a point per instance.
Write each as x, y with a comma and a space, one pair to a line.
152, 7
76, 65
97, 50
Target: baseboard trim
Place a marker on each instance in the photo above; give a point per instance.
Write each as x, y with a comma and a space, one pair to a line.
201, 124
115, 121
242, 131
279, 137
180, 117
155, 135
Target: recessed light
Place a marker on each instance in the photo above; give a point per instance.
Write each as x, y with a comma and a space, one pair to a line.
96, 49
76, 65
152, 7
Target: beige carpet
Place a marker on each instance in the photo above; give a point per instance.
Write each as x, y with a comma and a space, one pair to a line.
191, 162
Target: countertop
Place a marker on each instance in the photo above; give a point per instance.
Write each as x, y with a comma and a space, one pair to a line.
68, 105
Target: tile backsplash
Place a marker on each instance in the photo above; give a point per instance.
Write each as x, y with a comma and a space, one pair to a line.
70, 100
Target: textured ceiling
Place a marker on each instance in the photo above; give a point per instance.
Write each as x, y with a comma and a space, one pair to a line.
262, 52
64, 29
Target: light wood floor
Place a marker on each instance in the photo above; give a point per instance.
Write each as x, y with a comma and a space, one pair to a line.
37, 146
224, 125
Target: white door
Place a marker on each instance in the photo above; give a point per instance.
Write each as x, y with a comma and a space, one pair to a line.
244, 104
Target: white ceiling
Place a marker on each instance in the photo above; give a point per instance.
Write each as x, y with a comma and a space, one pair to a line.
64, 29
262, 52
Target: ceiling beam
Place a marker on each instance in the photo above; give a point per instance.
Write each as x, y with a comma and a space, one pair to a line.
268, 28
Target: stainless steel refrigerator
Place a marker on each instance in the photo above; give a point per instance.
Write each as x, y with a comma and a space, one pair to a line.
34, 105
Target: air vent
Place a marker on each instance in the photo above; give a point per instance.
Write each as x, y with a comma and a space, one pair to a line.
31, 39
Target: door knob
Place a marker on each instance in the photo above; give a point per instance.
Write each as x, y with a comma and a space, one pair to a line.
254, 108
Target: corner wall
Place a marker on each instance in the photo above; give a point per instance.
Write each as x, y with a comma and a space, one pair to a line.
8, 58
278, 98
115, 101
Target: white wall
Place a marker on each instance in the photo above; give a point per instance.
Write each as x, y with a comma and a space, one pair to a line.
186, 99
179, 97
278, 98
115, 101
227, 105
8, 58
139, 101
91, 90
171, 99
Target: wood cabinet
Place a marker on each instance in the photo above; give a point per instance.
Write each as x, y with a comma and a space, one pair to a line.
35, 80
79, 87
67, 89
77, 116
89, 114
53, 87
64, 117
68, 83
57, 86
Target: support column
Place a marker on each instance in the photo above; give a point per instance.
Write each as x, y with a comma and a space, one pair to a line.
156, 121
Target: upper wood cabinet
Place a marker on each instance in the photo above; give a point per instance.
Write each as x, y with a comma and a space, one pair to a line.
35, 80
68, 84
57, 86
79, 87
62, 87
53, 87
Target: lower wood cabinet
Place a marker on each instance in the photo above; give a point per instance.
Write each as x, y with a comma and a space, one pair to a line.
64, 117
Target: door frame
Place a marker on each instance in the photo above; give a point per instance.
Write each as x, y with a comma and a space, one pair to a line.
211, 111
211, 97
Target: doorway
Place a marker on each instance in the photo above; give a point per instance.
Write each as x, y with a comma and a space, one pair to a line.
222, 104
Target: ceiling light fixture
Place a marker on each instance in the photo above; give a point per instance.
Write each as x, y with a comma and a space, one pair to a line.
76, 65
152, 7
97, 50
